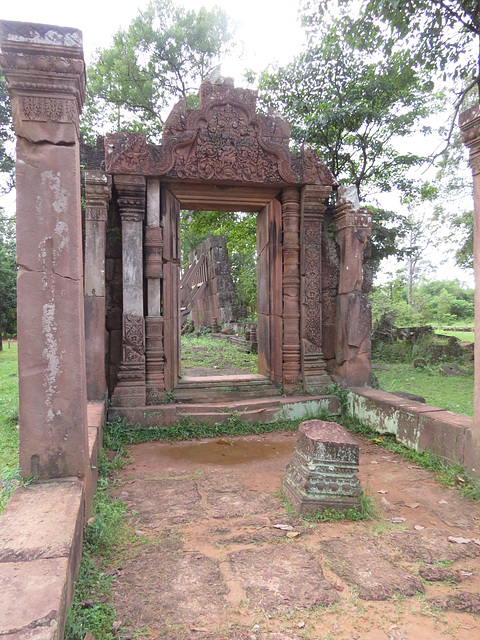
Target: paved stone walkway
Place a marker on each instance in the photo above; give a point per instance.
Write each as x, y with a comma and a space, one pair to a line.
220, 557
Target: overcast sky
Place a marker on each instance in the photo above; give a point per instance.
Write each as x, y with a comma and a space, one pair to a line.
267, 31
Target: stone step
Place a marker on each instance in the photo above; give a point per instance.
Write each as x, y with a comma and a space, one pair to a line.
248, 410
201, 389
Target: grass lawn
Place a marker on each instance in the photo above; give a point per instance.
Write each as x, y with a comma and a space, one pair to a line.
8, 420
463, 336
8, 407
205, 351
452, 393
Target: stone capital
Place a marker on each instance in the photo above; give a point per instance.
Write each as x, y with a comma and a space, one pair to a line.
469, 122
346, 216
132, 190
97, 196
45, 73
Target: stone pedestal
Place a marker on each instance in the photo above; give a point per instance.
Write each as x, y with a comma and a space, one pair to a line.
45, 74
97, 198
353, 228
321, 475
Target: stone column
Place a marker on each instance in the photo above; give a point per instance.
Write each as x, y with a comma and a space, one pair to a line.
97, 198
470, 127
353, 227
291, 289
45, 74
155, 355
313, 367
130, 390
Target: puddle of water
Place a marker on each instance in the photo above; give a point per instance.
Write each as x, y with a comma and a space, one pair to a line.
226, 452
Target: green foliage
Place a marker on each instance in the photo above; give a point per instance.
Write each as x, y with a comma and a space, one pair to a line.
350, 106
463, 226
434, 302
164, 55
7, 161
8, 276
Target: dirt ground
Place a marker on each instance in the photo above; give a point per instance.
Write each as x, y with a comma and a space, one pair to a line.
212, 562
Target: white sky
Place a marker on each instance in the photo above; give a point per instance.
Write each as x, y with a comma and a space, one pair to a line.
267, 31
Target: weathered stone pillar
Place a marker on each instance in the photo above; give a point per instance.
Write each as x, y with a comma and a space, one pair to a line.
470, 127
45, 75
97, 197
313, 367
130, 390
291, 288
353, 227
155, 355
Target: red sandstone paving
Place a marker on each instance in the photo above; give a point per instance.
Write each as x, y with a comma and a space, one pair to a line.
211, 564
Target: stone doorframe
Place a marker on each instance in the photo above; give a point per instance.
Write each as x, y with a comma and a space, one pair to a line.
222, 156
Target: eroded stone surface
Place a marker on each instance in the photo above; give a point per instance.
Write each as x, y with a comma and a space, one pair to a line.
431, 546
360, 562
164, 501
32, 594
461, 601
27, 529
284, 576
226, 497
181, 588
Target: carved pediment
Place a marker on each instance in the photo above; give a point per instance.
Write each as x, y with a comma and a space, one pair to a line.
224, 141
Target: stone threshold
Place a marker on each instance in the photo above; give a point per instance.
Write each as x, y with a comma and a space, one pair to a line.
418, 426
247, 410
41, 535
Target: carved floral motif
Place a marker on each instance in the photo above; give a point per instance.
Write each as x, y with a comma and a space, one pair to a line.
133, 338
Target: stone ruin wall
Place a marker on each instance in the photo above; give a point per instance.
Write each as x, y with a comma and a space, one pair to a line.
217, 302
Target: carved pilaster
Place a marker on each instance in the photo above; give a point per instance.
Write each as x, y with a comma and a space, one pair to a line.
45, 75
155, 360
470, 128
353, 227
313, 206
130, 390
291, 288
97, 198
153, 252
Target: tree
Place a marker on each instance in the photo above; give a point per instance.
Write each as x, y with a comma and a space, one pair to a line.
163, 56
8, 276
7, 162
351, 107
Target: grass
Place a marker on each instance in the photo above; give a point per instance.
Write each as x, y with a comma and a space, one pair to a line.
105, 539
463, 336
205, 351
452, 393
9, 472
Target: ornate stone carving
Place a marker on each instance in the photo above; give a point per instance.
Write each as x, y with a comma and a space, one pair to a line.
224, 141
97, 196
155, 360
314, 199
131, 197
133, 339
45, 76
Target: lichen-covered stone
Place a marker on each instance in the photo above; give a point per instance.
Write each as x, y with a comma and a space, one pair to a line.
322, 472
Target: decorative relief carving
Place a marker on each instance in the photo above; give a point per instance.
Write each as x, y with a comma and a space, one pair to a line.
133, 339
96, 213
225, 141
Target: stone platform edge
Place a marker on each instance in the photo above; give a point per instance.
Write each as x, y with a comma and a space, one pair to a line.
41, 536
249, 410
418, 426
